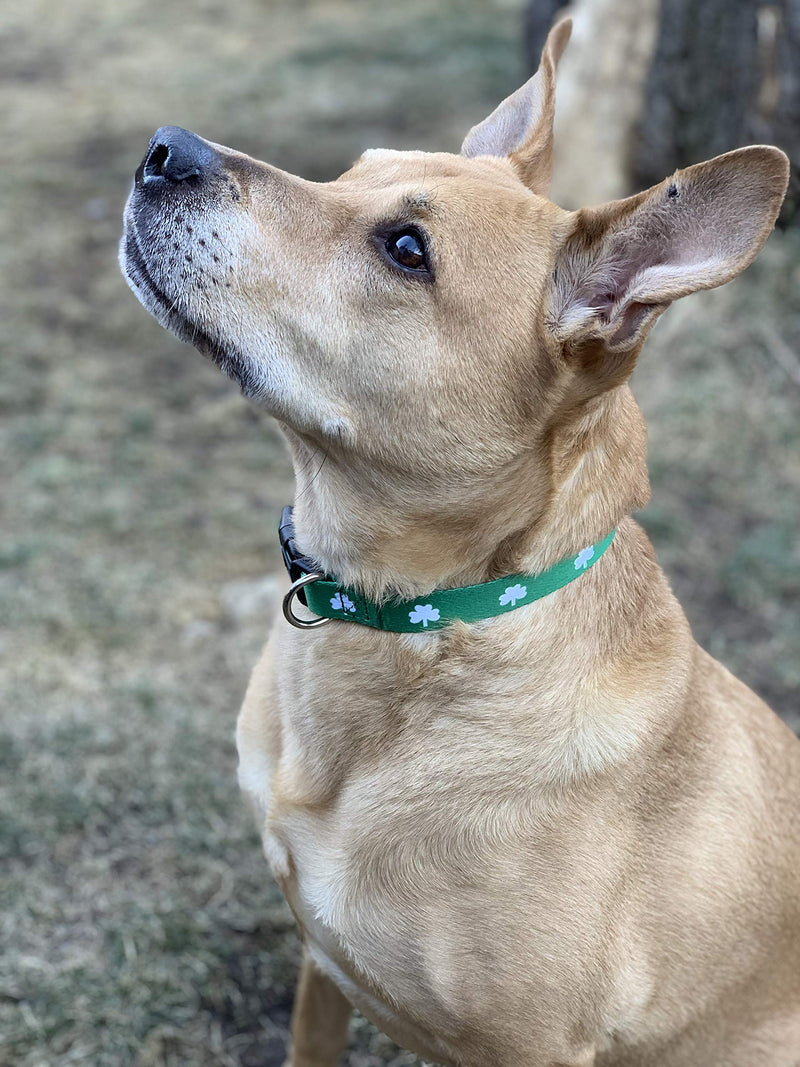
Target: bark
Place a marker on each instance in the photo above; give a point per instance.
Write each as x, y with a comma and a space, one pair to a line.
723, 73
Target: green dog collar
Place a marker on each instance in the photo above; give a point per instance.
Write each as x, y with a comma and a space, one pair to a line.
328, 599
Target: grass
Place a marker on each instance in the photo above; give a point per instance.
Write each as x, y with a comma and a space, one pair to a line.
139, 923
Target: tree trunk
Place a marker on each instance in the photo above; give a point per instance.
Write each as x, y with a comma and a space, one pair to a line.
601, 80
723, 73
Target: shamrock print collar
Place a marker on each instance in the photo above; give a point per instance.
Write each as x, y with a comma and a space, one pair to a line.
328, 599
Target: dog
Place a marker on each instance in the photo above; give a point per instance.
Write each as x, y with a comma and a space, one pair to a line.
559, 833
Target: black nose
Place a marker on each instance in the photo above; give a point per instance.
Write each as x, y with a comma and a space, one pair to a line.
176, 155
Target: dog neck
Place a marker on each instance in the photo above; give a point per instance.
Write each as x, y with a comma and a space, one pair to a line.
384, 537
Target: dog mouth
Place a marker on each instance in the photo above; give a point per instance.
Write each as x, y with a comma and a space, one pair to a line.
167, 313
156, 300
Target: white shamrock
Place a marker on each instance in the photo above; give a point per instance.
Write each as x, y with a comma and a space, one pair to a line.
583, 557
424, 613
512, 594
342, 602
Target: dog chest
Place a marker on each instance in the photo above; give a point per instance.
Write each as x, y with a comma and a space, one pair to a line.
452, 929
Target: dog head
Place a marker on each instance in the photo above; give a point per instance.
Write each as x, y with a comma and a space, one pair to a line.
444, 346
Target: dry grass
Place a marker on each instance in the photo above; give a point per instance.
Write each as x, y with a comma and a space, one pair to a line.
140, 494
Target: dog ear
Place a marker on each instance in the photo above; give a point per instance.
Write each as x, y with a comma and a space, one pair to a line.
521, 128
623, 263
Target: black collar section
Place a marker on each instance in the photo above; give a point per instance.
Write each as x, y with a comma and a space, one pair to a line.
295, 562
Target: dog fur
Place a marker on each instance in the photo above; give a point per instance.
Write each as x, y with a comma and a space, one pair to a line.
565, 836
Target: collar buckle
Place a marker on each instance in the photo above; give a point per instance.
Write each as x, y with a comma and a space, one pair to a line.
295, 562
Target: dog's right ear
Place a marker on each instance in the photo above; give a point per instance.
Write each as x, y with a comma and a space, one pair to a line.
521, 128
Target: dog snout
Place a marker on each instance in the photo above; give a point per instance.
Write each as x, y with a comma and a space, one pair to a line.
176, 157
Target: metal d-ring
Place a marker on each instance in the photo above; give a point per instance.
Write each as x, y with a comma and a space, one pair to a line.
301, 624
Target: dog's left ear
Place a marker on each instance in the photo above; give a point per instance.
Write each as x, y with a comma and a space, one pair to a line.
521, 128
623, 263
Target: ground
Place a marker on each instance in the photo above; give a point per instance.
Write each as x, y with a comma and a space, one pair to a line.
141, 493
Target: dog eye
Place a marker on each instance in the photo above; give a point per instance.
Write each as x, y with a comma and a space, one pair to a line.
407, 249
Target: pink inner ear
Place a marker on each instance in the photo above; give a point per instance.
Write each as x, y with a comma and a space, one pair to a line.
611, 308
630, 322
609, 278
625, 265
649, 248
603, 304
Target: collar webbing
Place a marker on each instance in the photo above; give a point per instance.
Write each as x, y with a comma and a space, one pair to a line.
469, 603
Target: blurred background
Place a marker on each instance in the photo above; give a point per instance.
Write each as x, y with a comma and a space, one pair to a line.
140, 493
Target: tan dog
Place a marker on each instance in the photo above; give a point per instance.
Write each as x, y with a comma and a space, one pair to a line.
565, 835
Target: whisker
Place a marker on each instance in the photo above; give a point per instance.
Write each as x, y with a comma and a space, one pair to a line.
316, 475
